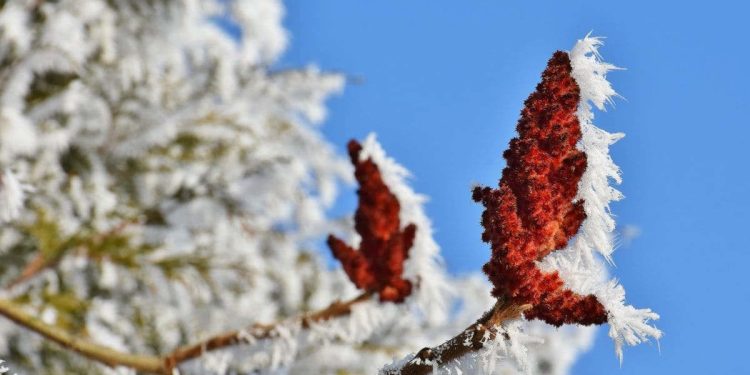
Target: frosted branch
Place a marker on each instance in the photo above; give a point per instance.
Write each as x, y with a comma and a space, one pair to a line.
472, 339
168, 363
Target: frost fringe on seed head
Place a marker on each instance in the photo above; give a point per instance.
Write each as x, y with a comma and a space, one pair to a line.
424, 266
576, 264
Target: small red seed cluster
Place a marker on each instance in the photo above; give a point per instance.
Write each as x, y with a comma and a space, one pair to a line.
379, 264
533, 212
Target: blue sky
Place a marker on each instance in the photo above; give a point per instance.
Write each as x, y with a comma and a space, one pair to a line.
442, 83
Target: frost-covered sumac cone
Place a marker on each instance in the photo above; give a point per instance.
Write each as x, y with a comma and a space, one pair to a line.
534, 211
379, 264
550, 211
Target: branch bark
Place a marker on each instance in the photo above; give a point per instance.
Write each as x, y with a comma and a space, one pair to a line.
469, 340
259, 331
166, 364
100, 353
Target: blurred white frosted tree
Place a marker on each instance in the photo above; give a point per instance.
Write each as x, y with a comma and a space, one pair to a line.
162, 184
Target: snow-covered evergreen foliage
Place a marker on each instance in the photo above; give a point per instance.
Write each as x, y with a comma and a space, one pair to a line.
162, 183
177, 179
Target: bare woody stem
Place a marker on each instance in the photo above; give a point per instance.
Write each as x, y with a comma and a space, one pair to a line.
469, 340
259, 331
103, 354
166, 364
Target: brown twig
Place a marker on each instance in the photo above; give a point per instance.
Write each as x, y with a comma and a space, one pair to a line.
259, 331
99, 353
469, 340
165, 365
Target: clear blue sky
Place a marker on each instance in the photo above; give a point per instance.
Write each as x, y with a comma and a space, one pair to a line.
443, 83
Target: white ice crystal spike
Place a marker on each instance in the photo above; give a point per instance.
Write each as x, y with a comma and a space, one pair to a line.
590, 71
627, 325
